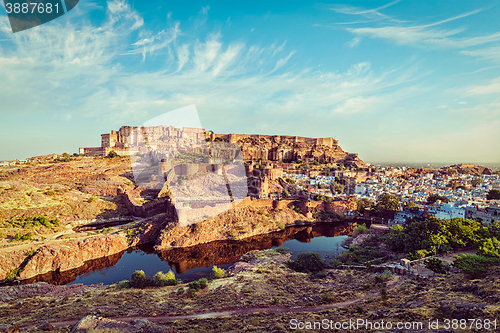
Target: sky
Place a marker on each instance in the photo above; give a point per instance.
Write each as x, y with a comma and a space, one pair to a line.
394, 81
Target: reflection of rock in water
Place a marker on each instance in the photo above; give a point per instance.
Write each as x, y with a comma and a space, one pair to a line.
66, 277
203, 255
228, 252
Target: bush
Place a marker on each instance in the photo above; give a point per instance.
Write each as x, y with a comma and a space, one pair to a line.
123, 284
191, 293
359, 255
218, 272
493, 195
473, 265
490, 247
138, 279
112, 154
11, 275
327, 298
421, 254
18, 237
194, 285
307, 262
203, 283
383, 294
180, 290
162, 279
361, 229
50, 192
435, 265
282, 250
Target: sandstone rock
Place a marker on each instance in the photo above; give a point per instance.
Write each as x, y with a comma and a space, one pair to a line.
90, 323
72, 254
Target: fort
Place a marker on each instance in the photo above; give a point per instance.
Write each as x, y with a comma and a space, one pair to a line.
130, 140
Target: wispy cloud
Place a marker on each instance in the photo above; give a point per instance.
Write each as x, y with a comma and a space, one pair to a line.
492, 88
491, 53
405, 33
371, 14
97, 74
354, 42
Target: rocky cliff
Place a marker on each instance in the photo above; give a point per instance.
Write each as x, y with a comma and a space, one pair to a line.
235, 224
286, 150
71, 254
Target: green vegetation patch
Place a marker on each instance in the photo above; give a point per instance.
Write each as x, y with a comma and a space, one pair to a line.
307, 263
30, 222
474, 266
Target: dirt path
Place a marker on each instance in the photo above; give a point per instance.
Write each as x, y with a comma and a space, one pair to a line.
238, 311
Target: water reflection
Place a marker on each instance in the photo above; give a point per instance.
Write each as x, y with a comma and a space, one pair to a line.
193, 262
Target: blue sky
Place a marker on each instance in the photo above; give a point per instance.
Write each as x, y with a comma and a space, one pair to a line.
400, 81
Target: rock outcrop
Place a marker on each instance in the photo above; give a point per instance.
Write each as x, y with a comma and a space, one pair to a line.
235, 224
72, 254
94, 323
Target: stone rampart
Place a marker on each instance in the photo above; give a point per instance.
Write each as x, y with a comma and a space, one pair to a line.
155, 207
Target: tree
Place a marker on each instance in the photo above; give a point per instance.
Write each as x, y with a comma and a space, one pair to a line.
339, 188
112, 154
434, 233
387, 205
490, 248
363, 204
410, 205
435, 197
476, 181
493, 195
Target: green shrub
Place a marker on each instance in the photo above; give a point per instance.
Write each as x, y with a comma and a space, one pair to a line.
50, 192
383, 294
307, 262
123, 284
275, 300
112, 154
180, 290
474, 266
162, 279
138, 279
490, 247
435, 265
280, 225
421, 254
335, 263
89, 200
361, 229
194, 285
18, 236
191, 293
11, 275
359, 255
203, 283
327, 298
282, 250
218, 272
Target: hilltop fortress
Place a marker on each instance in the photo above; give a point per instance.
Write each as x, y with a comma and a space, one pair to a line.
277, 148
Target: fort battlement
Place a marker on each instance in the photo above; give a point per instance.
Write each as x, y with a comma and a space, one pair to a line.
280, 148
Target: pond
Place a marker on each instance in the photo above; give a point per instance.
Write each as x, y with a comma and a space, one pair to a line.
194, 262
